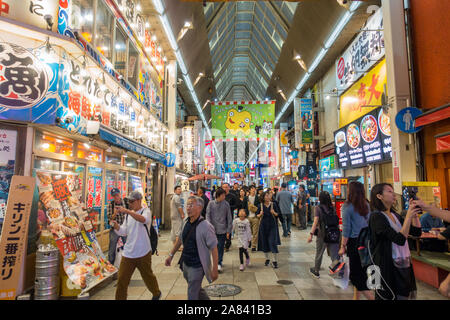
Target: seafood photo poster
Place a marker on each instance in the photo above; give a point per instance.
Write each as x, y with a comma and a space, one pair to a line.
61, 196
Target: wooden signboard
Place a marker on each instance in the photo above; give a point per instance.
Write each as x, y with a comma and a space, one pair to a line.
13, 241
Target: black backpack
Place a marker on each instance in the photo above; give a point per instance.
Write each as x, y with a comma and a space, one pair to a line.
330, 222
363, 247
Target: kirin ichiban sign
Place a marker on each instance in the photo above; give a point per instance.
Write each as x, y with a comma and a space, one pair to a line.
362, 54
13, 241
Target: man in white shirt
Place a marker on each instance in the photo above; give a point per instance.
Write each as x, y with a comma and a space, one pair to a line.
137, 252
176, 214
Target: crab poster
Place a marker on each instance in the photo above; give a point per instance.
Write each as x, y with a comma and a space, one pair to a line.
60, 197
243, 119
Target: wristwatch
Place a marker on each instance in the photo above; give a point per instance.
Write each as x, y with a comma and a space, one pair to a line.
170, 254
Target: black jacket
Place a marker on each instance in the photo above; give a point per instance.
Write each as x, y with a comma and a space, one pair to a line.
242, 204
232, 201
382, 237
205, 202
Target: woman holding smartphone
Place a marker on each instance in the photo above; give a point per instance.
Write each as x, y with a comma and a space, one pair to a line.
389, 246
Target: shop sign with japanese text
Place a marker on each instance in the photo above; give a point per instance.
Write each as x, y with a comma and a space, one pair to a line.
13, 241
61, 197
364, 96
39, 13
362, 54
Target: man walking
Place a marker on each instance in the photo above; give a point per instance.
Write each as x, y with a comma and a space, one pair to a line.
219, 215
233, 202
201, 194
176, 214
301, 204
252, 218
199, 243
137, 252
113, 214
285, 201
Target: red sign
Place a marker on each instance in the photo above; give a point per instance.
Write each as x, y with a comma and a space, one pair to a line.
336, 189
338, 206
396, 174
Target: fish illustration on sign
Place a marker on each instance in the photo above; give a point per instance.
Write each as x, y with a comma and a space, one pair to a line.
238, 121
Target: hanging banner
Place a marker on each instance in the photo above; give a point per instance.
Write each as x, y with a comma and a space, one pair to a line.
61, 196
366, 92
8, 142
13, 241
242, 119
306, 116
283, 131
362, 53
297, 124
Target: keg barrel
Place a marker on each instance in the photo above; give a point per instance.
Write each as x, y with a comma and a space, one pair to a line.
46, 288
47, 263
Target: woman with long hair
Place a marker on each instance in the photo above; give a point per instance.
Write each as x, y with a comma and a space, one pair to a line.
325, 208
389, 246
355, 216
268, 236
242, 201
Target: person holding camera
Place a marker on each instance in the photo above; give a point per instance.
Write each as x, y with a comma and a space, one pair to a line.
389, 246
114, 214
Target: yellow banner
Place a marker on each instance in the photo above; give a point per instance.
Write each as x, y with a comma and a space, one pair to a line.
366, 92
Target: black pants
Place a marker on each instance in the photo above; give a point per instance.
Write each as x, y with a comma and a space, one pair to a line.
243, 251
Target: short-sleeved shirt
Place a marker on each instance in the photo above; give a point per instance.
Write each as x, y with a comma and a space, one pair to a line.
302, 198
175, 204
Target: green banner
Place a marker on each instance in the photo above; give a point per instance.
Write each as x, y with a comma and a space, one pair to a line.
248, 120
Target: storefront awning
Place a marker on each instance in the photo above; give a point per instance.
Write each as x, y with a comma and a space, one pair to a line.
443, 142
123, 142
433, 115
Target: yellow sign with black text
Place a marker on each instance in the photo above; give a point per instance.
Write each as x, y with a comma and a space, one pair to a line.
368, 91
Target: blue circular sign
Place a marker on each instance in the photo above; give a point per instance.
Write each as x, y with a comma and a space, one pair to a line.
406, 119
169, 160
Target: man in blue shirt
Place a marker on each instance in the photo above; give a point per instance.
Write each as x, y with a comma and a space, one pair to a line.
429, 222
285, 201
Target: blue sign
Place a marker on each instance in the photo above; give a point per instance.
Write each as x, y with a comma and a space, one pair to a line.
128, 144
169, 160
406, 120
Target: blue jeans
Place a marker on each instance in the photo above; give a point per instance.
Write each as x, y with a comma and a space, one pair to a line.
113, 238
287, 222
221, 245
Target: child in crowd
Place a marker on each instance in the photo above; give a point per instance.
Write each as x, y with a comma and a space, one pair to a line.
241, 228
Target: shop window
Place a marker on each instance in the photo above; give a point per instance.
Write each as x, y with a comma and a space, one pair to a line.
88, 152
46, 164
94, 198
133, 65
54, 144
113, 159
131, 163
103, 34
82, 18
120, 52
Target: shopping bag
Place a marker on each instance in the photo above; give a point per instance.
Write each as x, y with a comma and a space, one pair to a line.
119, 251
341, 278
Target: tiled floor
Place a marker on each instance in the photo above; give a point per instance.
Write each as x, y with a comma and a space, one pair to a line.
257, 281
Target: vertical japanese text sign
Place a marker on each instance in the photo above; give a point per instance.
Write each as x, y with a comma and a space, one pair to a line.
13, 239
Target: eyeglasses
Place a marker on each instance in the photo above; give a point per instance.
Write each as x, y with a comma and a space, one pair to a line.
190, 205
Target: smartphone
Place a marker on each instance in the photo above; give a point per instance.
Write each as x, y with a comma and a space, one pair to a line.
412, 192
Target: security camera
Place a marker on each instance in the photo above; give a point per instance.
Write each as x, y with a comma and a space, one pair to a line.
49, 19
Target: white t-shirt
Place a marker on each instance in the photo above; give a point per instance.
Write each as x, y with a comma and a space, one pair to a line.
138, 241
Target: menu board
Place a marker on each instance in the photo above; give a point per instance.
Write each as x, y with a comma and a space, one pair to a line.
60, 194
364, 141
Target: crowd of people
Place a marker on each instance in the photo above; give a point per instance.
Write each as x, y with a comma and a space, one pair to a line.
253, 215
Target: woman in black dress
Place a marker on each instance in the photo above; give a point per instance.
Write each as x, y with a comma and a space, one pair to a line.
268, 236
389, 246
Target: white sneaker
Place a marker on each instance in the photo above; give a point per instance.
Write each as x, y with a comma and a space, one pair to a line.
247, 262
219, 268
241, 267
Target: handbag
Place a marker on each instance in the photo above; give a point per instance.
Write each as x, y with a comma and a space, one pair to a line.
180, 262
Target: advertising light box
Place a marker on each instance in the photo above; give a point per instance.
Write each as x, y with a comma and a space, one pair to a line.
364, 141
